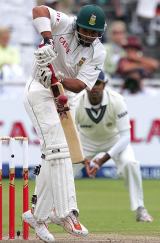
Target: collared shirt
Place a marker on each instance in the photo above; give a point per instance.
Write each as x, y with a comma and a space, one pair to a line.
101, 131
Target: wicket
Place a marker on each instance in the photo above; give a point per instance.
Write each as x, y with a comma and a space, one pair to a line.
12, 141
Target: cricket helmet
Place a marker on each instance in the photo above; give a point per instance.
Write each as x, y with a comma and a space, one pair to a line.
91, 17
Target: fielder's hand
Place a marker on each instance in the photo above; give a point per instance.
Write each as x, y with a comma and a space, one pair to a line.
45, 54
92, 167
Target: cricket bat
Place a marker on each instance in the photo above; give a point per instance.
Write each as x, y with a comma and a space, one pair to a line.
66, 120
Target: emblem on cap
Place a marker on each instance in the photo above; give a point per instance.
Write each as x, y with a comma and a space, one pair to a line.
92, 20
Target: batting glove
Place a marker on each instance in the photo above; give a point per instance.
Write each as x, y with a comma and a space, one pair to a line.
60, 76
44, 76
46, 53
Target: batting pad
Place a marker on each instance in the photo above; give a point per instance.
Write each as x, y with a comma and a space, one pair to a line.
58, 151
63, 187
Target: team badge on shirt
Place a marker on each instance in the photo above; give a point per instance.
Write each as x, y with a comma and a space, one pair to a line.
81, 61
92, 20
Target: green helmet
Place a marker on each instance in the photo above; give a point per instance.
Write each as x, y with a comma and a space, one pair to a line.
91, 17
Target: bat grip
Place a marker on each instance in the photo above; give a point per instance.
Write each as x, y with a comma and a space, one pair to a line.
54, 80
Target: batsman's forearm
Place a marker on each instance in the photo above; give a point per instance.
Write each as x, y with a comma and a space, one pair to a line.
73, 85
41, 20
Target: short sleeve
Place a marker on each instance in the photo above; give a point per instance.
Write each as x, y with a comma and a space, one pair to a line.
58, 19
90, 71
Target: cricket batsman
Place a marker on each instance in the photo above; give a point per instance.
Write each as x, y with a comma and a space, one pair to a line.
72, 46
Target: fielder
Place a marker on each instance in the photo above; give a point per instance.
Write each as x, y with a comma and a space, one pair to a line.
72, 45
103, 123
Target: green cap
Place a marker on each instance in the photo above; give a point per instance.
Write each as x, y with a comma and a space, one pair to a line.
91, 17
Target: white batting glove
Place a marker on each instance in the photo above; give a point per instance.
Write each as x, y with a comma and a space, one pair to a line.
44, 76
60, 76
46, 54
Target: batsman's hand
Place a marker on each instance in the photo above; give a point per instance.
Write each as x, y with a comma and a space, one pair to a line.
92, 167
45, 54
44, 76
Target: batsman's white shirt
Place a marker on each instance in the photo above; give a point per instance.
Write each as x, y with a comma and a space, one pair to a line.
74, 60
100, 131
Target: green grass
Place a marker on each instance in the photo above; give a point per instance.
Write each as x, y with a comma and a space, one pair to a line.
104, 206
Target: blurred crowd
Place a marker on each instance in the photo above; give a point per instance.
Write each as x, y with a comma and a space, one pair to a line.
131, 39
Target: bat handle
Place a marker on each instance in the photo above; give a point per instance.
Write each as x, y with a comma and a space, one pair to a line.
54, 80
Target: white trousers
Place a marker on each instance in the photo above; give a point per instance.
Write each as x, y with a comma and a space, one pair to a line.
129, 168
55, 184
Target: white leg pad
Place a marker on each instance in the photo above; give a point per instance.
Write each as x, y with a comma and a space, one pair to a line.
57, 151
63, 187
43, 190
